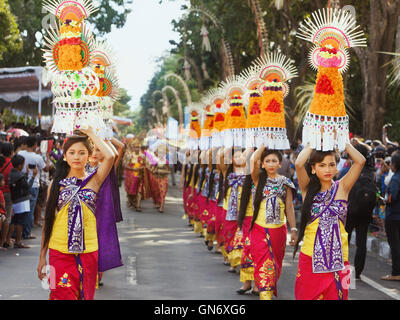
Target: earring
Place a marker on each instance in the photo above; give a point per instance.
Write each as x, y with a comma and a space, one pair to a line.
313, 172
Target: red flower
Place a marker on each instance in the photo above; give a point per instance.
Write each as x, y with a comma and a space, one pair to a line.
324, 86
274, 106
255, 108
236, 113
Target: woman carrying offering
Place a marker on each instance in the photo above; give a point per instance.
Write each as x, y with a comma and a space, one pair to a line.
69, 232
324, 256
273, 205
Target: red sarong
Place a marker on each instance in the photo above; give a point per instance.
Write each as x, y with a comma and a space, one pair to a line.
220, 214
230, 228
204, 212
321, 286
189, 203
267, 249
155, 188
212, 207
76, 275
246, 263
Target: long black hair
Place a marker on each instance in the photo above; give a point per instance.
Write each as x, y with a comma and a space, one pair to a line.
189, 175
262, 180
226, 180
220, 187
62, 171
244, 199
312, 189
202, 176
211, 182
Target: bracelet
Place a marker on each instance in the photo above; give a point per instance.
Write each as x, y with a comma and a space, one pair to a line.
293, 229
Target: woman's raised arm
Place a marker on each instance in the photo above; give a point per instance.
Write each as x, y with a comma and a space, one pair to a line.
254, 164
106, 165
302, 175
348, 181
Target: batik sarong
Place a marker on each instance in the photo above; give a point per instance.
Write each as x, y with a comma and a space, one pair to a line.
267, 249
246, 263
75, 275
321, 286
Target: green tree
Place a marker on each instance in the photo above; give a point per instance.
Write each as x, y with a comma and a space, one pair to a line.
10, 39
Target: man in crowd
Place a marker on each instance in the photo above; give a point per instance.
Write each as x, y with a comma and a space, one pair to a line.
32, 161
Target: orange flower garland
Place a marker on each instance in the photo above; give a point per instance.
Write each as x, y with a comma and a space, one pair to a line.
272, 113
219, 121
254, 113
329, 93
195, 129
236, 118
70, 57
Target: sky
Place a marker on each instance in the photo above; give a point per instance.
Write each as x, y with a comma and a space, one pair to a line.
144, 38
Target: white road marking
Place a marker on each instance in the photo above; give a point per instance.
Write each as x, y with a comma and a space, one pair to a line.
393, 293
131, 270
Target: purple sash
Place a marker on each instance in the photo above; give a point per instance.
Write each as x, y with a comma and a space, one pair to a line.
274, 189
75, 195
328, 252
234, 181
107, 233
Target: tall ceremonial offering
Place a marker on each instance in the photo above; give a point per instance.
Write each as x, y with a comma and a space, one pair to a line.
195, 112
68, 56
333, 31
275, 70
218, 108
235, 122
108, 92
205, 139
252, 83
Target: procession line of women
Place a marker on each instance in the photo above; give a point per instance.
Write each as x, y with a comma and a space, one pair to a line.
244, 208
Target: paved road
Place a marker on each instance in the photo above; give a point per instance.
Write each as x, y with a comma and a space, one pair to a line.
164, 259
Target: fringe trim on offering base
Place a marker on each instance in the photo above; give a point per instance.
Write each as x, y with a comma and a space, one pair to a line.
205, 143
193, 144
246, 274
326, 141
70, 117
273, 138
234, 138
216, 139
250, 139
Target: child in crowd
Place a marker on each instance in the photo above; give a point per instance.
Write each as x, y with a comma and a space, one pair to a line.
19, 188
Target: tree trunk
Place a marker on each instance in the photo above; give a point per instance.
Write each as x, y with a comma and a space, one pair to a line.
197, 74
374, 65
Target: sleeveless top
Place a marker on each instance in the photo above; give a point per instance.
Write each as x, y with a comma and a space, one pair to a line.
272, 207
74, 229
206, 183
214, 191
232, 201
325, 238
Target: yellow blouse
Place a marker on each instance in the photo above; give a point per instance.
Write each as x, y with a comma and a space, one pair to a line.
59, 236
309, 239
261, 216
249, 209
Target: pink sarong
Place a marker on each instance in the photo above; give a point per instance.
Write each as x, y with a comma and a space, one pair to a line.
321, 286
